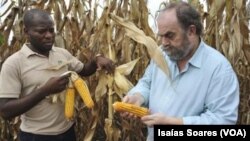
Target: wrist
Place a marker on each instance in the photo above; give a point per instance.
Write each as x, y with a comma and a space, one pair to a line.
42, 92
140, 98
98, 55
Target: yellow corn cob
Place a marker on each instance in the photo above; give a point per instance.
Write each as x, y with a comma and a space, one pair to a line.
69, 101
83, 90
126, 107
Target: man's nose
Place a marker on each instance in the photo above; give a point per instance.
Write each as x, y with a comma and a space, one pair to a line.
49, 34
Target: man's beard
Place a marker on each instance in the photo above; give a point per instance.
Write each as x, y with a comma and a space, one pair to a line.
179, 53
41, 48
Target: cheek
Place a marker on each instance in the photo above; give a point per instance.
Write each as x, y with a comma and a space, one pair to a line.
181, 40
177, 42
36, 38
35, 41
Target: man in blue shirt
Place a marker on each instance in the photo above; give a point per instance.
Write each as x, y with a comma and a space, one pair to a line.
203, 88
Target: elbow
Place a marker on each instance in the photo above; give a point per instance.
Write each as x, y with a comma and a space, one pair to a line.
5, 111
5, 115
228, 120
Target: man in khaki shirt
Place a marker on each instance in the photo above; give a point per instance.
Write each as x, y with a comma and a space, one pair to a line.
27, 78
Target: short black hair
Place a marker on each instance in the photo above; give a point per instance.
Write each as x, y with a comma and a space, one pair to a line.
186, 15
31, 14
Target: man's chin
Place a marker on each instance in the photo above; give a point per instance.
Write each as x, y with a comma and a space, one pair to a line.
173, 58
47, 47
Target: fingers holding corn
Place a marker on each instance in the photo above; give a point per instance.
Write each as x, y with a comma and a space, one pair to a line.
130, 108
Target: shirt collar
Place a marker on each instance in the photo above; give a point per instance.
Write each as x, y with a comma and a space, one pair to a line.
197, 59
28, 52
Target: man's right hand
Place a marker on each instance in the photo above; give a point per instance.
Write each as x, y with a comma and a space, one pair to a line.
136, 99
56, 84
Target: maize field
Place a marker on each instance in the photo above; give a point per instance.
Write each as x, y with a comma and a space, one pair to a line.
117, 33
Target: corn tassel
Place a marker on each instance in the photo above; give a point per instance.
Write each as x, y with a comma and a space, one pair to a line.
83, 90
126, 107
69, 101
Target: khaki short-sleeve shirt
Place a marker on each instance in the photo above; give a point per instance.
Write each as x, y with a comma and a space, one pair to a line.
25, 71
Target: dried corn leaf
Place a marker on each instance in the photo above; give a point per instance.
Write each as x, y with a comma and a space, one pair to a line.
57, 14
144, 19
125, 69
101, 88
17, 29
238, 4
63, 7
122, 82
59, 41
61, 25
112, 5
138, 35
125, 8
216, 8
67, 34
90, 132
126, 49
113, 133
39, 3
229, 11
135, 13
8, 8
71, 4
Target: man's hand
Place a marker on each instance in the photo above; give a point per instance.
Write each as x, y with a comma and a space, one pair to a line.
105, 63
159, 118
135, 99
56, 84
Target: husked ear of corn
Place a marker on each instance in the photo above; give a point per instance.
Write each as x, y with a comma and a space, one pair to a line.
69, 101
127, 107
82, 89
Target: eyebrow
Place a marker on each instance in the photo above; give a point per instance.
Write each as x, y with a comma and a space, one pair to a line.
166, 33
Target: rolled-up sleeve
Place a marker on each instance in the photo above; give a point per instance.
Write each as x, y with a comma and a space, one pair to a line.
10, 84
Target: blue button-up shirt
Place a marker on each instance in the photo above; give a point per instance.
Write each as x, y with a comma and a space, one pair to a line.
205, 92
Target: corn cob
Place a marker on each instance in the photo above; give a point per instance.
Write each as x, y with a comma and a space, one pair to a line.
126, 107
69, 101
82, 89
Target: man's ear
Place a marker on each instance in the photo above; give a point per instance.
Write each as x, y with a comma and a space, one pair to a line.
192, 29
25, 30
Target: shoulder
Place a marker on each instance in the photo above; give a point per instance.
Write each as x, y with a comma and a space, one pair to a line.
216, 61
14, 59
13, 63
214, 56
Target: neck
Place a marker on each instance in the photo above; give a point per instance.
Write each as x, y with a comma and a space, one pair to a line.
45, 53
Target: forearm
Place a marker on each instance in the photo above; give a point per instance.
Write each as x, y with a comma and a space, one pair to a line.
160, 118
174, 121
140, 98
89, 68
15, 107
141, 94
